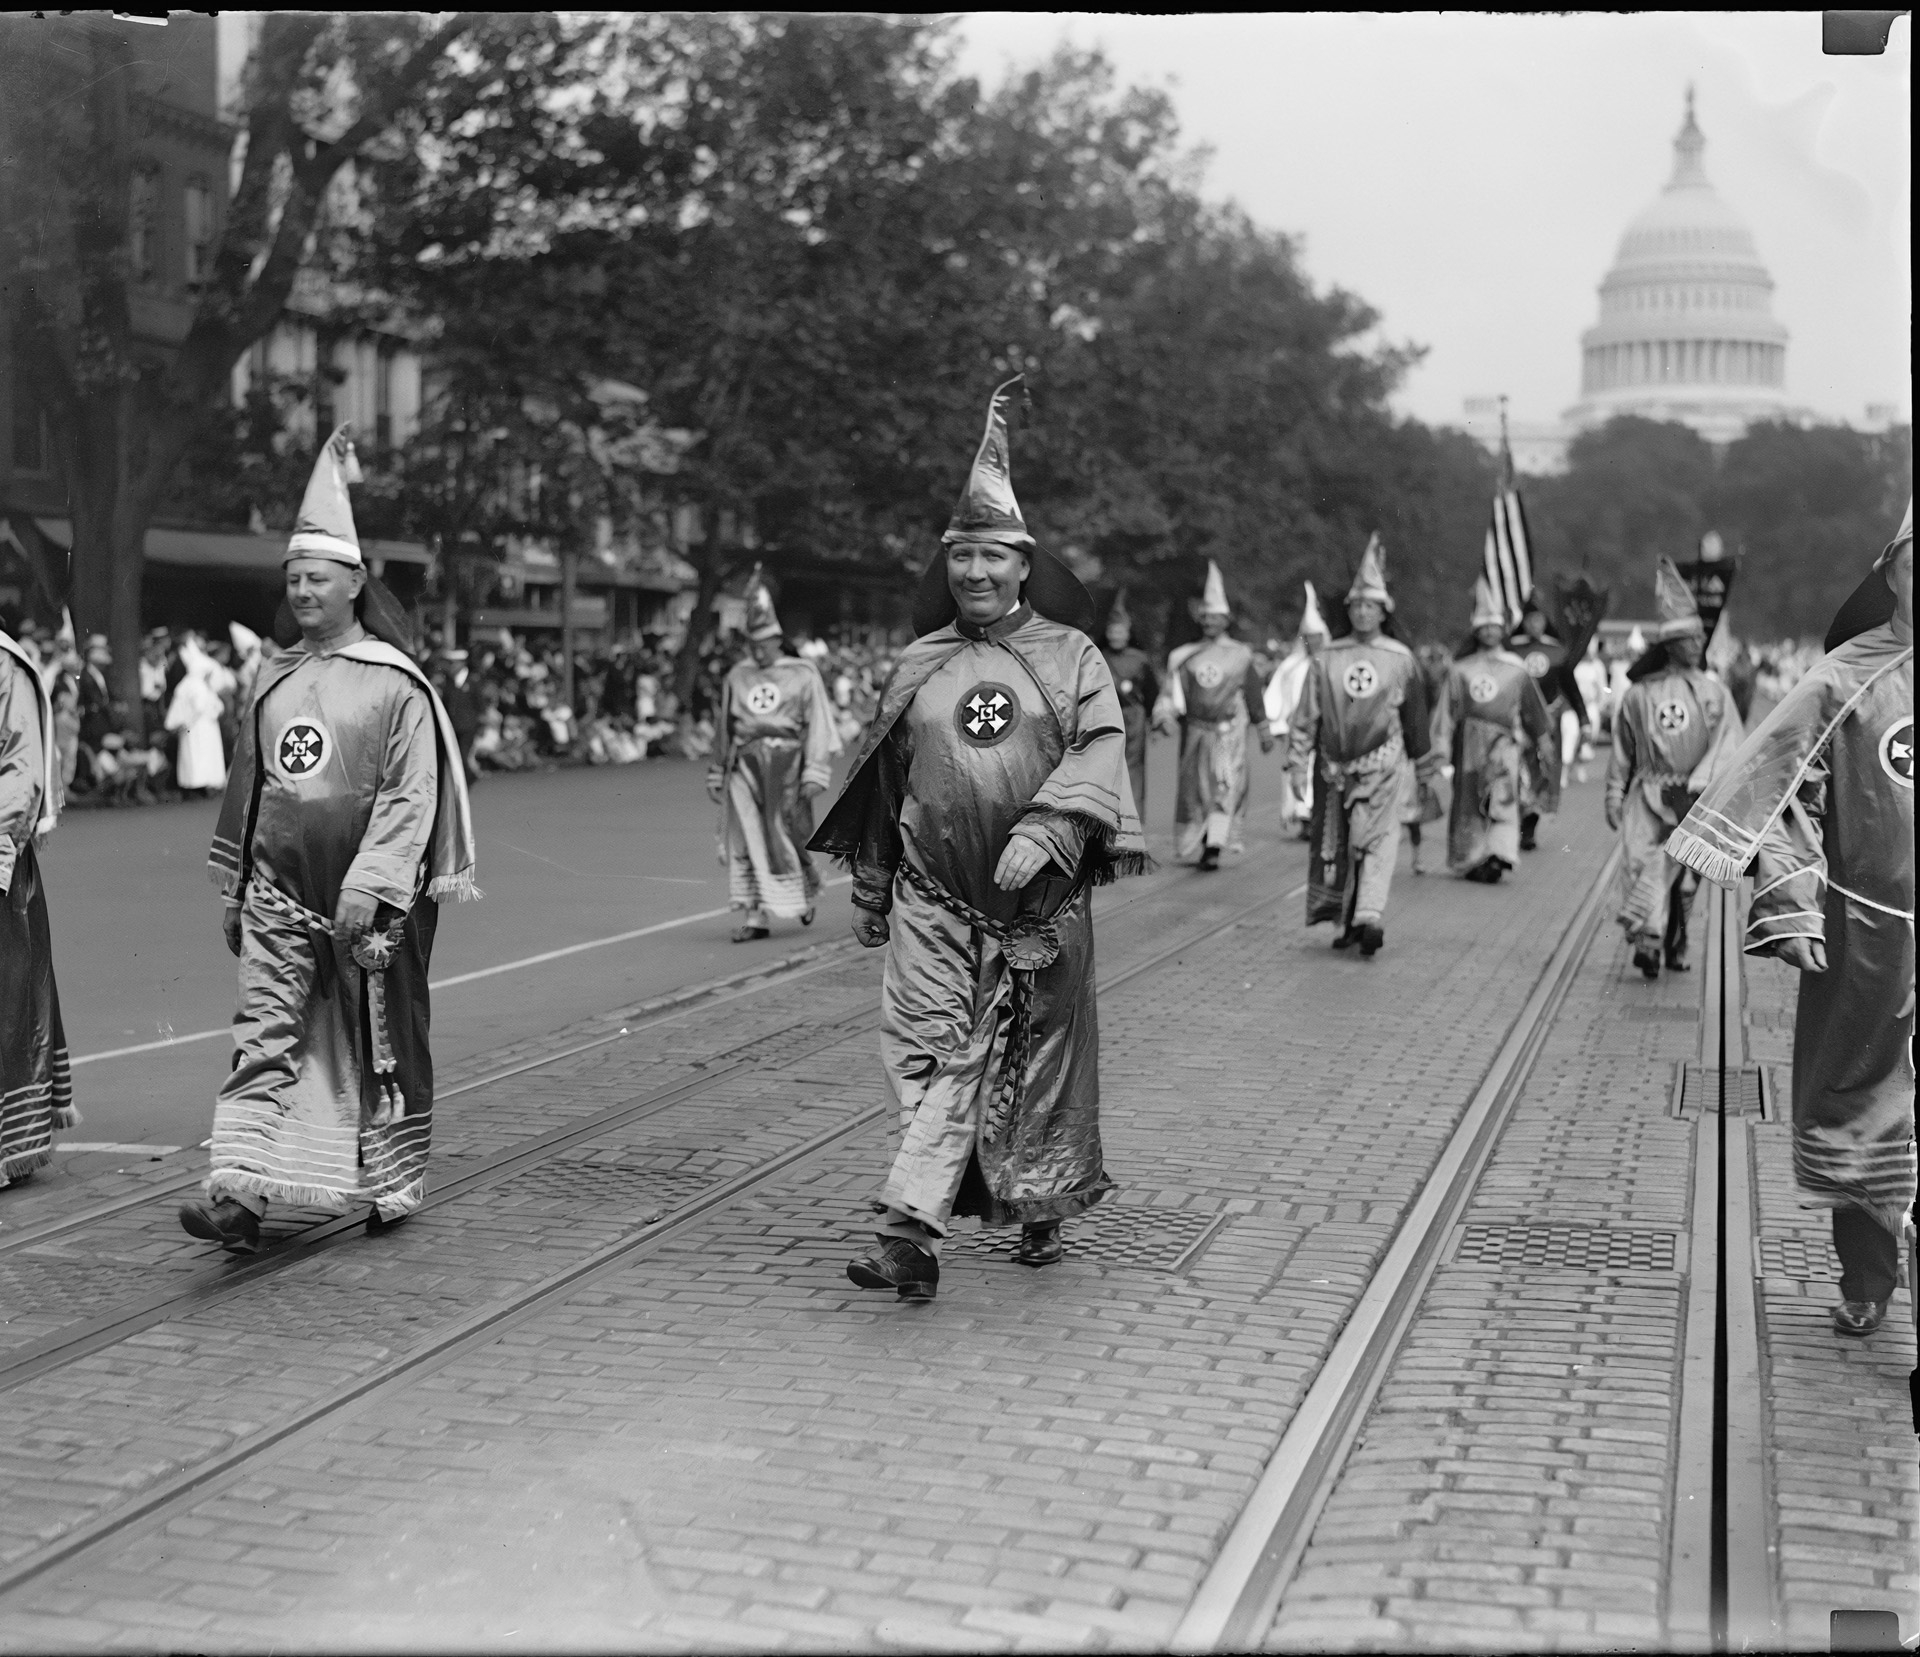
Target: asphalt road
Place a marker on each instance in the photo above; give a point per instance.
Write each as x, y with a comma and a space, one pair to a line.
566, 858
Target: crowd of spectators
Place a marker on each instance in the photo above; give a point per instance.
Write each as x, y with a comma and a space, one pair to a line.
505, 697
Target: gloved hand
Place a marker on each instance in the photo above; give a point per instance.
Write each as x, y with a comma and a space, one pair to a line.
1613, 814
1266, 740
230, 925
869, 928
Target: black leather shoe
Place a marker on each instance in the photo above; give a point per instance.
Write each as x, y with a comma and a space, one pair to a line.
896, 1264
1040, 1245
1348, 938
1648, 961
1527, 825
1209, 857
1371, 938
230, 1224
1858, 1317
1677, 961
376, 1224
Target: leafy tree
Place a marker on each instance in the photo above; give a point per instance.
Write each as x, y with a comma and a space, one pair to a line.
320, 93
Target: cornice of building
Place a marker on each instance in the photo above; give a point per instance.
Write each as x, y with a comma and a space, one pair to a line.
1654, 328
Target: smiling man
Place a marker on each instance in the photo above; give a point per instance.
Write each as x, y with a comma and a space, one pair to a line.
345, 824
990, 794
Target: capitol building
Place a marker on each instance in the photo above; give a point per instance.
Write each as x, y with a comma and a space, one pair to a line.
1686, 330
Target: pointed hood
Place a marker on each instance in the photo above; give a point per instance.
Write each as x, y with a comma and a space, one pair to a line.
762, 622
1488, 611
1213, 602
1311, 620
1673, 601
324, 528
986, 510
1371, 581
1120, 612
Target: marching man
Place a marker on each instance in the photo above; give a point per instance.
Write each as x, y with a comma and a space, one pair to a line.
36, 1085
1499, 728
1214, 691
989, 795
1358, 732
1138, 687
777, 740
1283, 696
344, 827
1818, 807
1674, 733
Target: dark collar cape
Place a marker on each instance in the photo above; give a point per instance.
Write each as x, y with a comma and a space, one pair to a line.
1869, 605
1051, 588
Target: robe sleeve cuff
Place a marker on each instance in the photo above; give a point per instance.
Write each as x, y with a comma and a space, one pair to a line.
819, 776
381, 883
1061, 837
872, 888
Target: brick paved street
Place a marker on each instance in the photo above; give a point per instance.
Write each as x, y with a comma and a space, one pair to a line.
715, 1441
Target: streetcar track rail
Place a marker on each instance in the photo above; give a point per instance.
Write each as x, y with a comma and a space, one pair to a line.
488, 1322
1235, 1604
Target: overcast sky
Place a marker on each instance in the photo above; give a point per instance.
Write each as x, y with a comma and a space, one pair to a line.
1470, 176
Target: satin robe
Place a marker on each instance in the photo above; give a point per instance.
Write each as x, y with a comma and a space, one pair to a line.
1362, 719
1817, 806
1496, 718
1214, 690
1673, 735
347, 775
981, 735
36, 1081
1138, 688
777, 733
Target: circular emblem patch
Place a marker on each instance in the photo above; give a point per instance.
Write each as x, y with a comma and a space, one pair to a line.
1537, 663
986, 714
1361, 681
1482, 688
1208, 675
763, 698
1896, 751
1672, 716
301, 749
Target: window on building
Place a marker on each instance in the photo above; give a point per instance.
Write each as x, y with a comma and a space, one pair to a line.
383, 400
143, 223
199, 230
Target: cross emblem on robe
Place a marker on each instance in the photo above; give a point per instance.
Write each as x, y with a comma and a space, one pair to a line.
987, 715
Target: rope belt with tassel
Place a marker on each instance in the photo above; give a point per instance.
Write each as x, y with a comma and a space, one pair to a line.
1029, 944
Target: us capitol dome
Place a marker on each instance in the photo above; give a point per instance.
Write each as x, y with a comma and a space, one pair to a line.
1686, 330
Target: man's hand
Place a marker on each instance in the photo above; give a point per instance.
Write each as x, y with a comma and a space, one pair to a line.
1266, 740
353, 914
1802, 954
811, 790
230, 925
713, 785
869, 928
1019, 863
1613, 814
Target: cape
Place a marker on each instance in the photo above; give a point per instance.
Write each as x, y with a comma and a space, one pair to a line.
49, 756
450, 856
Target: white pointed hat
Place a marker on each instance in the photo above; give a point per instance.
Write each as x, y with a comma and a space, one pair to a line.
1371, 580
1901, 539
1673, 600
1488, 611
1213, 602
987, 510
1311, 621
324, 528
762, 622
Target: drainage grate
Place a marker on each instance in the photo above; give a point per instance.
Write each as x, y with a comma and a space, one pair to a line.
1148, 1239
1805, 1256
1565, 1248
619, 1187
1699, 1091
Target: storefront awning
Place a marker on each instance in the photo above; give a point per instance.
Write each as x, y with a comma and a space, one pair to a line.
208, 549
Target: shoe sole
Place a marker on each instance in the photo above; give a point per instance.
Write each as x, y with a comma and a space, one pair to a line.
866, 1278
238, 1242
1040, 1259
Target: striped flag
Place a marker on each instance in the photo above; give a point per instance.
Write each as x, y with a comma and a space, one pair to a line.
1509, 554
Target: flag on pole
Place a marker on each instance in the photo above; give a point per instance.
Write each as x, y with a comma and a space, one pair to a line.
1509, 552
